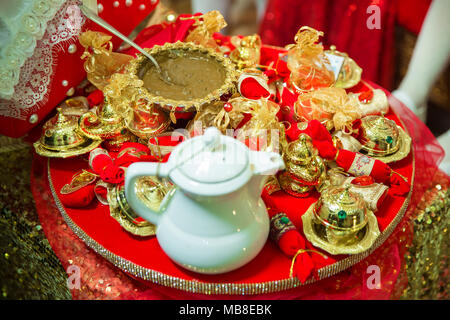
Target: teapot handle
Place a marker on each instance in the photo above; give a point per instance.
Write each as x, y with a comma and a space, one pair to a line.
134, 172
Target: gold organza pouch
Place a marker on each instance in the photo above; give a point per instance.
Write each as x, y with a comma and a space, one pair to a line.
122, 90
331, 106
263, 131
100, 61
204, 28
220, 114
307, 62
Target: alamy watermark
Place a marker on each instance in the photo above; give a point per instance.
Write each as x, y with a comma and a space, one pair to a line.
74, 279
374, 280
374, 20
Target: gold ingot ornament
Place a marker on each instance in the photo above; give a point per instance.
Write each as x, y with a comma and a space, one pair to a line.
247, 52
305, 170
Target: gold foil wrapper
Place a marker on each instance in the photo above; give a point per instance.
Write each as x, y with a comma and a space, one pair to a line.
100, 61
329, 104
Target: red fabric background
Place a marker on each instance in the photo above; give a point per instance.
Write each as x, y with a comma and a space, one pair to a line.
344, 25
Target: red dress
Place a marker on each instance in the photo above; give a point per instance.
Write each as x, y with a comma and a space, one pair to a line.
344, 23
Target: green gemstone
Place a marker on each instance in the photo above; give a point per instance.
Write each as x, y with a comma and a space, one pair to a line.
284, 220
342, 214
389, 139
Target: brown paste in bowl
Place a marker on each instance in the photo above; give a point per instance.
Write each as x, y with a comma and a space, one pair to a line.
193, 75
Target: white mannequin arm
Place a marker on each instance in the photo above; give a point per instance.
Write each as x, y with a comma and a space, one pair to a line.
204, 6
429, 59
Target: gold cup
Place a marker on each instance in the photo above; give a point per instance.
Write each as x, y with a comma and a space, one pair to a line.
169, 52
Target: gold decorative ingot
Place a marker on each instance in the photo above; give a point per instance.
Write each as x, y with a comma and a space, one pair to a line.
247, 52
339, 216
382, 139
305, 170
350, 73
79, 180
170, 51
61, 138
151, 192
104, 124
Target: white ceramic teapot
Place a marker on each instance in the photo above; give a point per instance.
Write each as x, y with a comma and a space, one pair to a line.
214, 220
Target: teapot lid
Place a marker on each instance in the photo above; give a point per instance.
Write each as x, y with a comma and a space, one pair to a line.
210, 161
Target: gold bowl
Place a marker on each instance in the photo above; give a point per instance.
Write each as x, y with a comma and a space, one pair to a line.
62, 138
339, 215
199, 76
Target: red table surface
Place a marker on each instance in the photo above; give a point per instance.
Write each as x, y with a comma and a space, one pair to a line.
269, 265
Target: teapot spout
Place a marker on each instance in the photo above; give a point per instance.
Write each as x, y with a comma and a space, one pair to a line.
266, 163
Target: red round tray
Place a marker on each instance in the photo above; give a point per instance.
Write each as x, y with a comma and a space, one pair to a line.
267, 273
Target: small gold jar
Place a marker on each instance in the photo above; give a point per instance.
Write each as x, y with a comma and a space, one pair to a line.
339, 216
61, 138
383, 139
379, 136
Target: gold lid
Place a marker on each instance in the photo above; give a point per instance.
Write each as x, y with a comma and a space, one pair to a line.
75, 106
247, 51
104, 124
138, 67
340, 209
379, 136
61, 133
